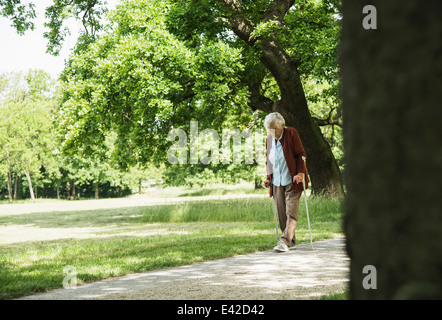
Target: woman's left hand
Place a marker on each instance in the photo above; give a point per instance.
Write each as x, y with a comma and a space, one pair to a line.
298, 178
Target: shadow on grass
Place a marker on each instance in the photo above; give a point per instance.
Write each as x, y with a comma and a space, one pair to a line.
29, 271
210, 210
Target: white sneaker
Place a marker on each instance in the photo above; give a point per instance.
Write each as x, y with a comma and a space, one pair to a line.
282, 247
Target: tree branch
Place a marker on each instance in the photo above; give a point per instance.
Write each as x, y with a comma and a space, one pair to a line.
329, 121
259, 101
238, 22
278, 9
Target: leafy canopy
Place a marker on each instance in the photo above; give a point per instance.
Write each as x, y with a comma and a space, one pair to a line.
161, 64
140, 81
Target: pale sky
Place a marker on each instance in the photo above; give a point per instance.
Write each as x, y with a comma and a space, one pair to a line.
21, 53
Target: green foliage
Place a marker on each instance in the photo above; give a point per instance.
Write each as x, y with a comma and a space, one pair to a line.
25, 129
159, 64
21, 14
140, 81
89, 12
322, 105
199, 175
28, 146
314, 37
309, 33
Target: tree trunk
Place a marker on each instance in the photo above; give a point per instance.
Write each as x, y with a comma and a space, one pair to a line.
391, 78
10, 184
31, 191
73, 190
16, 187
58, 192
323, 169
68, 190
9, 176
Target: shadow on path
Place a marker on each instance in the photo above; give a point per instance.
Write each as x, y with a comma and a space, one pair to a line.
298, 274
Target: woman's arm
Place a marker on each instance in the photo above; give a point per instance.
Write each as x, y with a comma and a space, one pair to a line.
298, 153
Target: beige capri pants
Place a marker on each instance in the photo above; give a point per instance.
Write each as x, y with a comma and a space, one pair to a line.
286, 204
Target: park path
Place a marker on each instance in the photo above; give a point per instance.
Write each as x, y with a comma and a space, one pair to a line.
301, 273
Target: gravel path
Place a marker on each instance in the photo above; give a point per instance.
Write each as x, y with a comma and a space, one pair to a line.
298, 274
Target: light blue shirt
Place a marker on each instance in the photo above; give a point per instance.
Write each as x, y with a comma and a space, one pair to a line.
281, 174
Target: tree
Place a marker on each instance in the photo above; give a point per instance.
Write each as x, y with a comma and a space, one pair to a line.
283, 43
140, 82
391, 78
26, 125
13, 93
259, 26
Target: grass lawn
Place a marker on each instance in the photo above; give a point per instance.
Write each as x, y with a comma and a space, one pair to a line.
336, 296
115, 242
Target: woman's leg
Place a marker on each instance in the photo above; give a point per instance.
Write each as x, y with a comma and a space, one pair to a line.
292, 206
280, 206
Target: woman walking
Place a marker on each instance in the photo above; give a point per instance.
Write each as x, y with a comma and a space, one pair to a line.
285, 171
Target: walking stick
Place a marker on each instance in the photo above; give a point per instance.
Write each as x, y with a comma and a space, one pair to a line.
267, 183
306, 206
276, 223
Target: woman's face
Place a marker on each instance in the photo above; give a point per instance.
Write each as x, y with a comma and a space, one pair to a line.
275, 132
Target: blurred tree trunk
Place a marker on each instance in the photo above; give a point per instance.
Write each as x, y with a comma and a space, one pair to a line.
392, 91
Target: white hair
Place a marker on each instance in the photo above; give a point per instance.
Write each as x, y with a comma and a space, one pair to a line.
274, 119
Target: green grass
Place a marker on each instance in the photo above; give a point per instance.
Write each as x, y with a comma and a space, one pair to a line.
219, 189
208, 190
336, 296
137, 239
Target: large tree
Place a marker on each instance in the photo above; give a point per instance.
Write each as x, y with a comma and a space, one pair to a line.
391, 77
281, 41
292, 103
166, 63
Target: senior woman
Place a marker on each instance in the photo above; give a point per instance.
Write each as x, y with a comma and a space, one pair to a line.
285, 172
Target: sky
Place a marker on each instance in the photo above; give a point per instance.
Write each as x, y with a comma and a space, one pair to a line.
21, 53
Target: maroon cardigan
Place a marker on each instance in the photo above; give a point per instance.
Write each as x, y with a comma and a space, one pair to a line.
293, 153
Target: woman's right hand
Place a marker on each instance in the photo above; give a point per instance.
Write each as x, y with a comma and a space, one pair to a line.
267, 183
